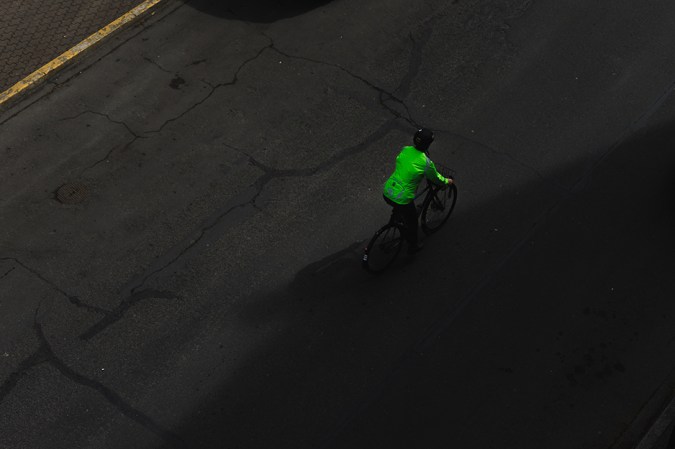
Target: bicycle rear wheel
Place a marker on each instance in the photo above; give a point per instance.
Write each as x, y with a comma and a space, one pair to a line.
383, 248
437, 208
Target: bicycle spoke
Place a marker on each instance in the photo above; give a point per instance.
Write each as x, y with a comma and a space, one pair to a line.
437, 209
383, 249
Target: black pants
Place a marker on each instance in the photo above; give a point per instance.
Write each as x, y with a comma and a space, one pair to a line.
408, 214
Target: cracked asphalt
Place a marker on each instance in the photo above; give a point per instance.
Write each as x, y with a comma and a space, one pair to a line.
205, 290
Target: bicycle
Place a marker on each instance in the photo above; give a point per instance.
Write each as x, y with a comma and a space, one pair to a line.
438, 204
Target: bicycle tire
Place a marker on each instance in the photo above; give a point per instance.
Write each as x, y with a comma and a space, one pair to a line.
437, 208
383, 248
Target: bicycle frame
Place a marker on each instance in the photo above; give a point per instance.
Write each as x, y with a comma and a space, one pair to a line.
385, 245
429, 189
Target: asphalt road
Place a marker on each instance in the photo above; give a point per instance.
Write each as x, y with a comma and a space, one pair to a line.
201, 285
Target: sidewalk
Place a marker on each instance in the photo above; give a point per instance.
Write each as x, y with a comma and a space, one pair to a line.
34, 32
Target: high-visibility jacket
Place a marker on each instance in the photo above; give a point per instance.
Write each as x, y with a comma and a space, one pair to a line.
411, 166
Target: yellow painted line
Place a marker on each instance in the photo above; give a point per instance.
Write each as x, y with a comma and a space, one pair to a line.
62, 59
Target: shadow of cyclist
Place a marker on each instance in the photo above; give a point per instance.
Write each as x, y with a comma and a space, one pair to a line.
262, 11
353, 360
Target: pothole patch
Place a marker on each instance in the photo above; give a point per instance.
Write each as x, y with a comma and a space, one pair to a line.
72, 193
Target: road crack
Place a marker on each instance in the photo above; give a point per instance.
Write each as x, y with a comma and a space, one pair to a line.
135, 136
270, 173
214, 88
384, 95
38, 357
71, 298
45, 354
137, 292
107, 117
158, 65
118, 312
7, 273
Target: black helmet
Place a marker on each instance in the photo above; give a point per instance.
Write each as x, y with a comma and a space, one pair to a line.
423, 138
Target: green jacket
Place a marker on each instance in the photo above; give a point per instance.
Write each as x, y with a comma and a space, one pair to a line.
411, 166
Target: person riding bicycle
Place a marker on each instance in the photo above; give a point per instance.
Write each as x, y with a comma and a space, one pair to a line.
412, 164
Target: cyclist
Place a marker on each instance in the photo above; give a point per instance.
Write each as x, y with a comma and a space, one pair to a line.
412, 164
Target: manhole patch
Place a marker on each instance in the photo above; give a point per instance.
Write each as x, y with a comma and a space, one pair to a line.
72, 193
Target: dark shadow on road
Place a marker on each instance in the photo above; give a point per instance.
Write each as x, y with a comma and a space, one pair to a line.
263, 11
342, 366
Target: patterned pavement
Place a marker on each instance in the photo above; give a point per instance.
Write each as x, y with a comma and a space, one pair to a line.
33, 32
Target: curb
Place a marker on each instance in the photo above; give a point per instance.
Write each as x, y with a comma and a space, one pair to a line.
38, 76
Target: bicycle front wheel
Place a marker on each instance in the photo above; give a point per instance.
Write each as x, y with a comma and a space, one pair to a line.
383, 248
437, 208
